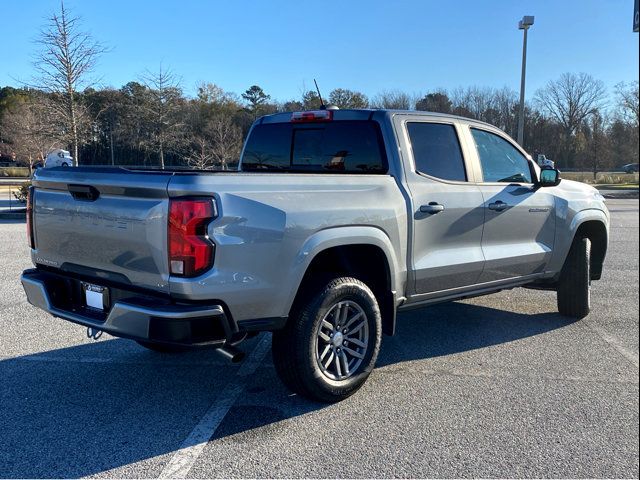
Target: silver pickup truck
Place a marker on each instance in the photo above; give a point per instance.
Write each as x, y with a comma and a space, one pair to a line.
336, 220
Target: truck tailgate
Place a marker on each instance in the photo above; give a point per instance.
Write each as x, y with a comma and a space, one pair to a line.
108, 224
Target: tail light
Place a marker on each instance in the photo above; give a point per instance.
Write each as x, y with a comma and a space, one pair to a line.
190, 250
30, 205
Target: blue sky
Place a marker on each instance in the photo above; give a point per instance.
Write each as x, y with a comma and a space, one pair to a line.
373, 45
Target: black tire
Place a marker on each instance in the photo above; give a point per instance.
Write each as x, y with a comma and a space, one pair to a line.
64, 164
162, 347
296, 351
574, 286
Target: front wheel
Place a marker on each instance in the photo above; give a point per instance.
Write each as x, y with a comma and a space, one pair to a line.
331, 343
574, 287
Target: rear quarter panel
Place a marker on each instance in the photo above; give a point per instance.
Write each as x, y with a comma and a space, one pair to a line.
270, 226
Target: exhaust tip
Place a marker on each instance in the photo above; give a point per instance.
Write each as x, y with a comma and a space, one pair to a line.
231, 353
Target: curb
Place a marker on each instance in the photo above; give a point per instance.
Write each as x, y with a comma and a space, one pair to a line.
622, 195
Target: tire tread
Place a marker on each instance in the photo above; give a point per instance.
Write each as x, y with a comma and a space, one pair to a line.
288, 345
573, 287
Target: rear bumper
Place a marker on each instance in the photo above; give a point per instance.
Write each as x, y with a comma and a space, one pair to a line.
132, 315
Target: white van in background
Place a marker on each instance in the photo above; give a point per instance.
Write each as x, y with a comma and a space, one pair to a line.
544, 162
58, 158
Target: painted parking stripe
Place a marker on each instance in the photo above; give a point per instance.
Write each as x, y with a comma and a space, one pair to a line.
185, 457
612, 341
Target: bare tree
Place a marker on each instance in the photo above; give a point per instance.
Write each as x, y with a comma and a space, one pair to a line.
392, 99
628, 98
290, 106
479, 100
571, 98
217, 145
66, 57
569, 101
227, 140
506, 104
596, 142
31, 132
200, 156
213, 95
163, 105
210, 93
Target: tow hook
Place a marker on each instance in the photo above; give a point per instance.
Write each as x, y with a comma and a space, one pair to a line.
93, 333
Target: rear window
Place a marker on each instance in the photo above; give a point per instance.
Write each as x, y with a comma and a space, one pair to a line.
332, 147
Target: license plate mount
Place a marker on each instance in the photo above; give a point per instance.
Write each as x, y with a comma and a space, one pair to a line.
96, 297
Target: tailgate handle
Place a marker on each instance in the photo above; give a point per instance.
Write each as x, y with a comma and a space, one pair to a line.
84, 192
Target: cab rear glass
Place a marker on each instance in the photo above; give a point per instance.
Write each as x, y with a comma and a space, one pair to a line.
318, 147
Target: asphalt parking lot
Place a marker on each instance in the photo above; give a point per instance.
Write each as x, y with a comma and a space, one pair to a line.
500, 386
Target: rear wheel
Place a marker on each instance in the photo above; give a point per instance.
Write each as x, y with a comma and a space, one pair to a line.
574, 286
331, 343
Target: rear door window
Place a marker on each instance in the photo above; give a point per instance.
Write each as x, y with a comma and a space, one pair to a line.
436, 150
331, 147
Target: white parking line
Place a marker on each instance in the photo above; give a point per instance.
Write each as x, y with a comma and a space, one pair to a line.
611, 340
185, 457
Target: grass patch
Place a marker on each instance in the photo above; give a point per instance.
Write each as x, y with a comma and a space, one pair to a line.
604, 178
14, 172
628, 186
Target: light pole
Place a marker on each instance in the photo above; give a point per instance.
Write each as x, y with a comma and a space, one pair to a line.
523, 24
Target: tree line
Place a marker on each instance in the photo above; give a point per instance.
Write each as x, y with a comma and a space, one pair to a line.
573, 120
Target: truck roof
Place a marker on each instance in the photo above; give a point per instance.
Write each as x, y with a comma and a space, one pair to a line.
368, 113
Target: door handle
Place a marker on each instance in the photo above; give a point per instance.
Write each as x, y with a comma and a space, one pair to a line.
498, 206
432, 208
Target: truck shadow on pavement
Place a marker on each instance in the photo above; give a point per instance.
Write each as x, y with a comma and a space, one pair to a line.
87, 409
454, 327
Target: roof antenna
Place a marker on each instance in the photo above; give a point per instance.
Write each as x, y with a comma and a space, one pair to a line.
322, 105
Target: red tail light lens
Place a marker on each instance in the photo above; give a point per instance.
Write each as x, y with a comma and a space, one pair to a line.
30, 236
190, 251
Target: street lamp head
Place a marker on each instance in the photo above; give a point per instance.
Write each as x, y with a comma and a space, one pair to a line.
526, 22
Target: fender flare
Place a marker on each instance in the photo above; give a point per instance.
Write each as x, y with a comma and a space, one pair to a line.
583, 216
338, 237
588, 216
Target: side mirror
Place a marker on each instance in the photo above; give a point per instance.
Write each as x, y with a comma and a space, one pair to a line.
549, 177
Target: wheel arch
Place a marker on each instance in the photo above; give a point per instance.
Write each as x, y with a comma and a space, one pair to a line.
594, 225
597, 233
365, 253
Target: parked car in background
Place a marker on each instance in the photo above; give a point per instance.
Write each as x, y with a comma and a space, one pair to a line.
630, 168
58, 158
